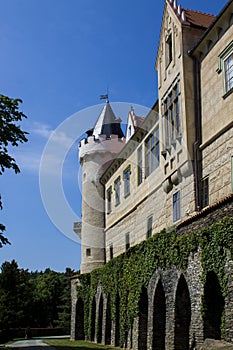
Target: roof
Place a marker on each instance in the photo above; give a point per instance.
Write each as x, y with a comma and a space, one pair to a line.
138, 121
220, 16
205, 211
199, 19
107, 123
191, 17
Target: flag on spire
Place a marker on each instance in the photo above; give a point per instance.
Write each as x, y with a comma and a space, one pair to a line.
104, 97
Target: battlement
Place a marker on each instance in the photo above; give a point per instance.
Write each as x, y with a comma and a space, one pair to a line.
91, 145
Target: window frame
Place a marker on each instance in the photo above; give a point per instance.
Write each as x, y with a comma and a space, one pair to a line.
139, 160
127, 241
88, 253
222, 58
205, 199
149, 226
172, 116
169, 49
117, 184
109, 200
152, 152
111, 253
126, 179
176, 201
228, 80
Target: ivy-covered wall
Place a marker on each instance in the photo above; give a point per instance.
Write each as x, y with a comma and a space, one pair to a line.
128, 273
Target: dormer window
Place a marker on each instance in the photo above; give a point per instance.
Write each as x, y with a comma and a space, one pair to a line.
168, 49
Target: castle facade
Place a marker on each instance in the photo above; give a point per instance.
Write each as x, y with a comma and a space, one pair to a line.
170, 174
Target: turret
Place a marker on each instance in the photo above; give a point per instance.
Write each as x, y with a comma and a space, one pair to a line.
96, 151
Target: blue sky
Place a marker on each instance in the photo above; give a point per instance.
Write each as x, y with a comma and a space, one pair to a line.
59, 56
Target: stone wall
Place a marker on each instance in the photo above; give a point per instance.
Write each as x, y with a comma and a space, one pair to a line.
173, 298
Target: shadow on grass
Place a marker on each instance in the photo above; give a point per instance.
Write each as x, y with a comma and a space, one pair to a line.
66, 344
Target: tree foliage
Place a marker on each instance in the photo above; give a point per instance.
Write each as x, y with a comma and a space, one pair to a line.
10, 136
15, 295
34, 299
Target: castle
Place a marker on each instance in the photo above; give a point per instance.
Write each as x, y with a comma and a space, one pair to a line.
170, 174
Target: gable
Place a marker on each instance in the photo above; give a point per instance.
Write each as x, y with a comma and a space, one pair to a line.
174, 17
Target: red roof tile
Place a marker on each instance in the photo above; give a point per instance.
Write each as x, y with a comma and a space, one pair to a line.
199, 19
205, 210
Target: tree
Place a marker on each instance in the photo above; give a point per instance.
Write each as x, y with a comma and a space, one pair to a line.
47, 298
64, 307
16, 294
52, 298
34, 299
10, 135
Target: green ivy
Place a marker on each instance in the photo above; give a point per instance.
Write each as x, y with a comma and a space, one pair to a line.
214, 243
129, 272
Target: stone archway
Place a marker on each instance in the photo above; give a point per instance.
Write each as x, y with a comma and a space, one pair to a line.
93, 312
143, 320
159, 318
100, 320
213, 303
108, 323
182, 315
79, 333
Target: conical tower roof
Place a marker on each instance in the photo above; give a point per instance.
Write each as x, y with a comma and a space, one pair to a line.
107, 123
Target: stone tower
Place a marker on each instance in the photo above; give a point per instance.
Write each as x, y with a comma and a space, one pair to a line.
101, 146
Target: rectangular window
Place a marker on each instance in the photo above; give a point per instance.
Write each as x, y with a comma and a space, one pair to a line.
205, 192
225, 66
228, 69
109, 200
127, 241
176, 206
169, 49
171, 117
149, 226
111, 251
126, 178
88, 252
117, 191
152, 153
140, 165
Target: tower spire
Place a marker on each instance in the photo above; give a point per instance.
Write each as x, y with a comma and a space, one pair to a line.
107, 123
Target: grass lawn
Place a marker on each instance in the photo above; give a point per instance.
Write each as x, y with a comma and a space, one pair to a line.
66, 344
